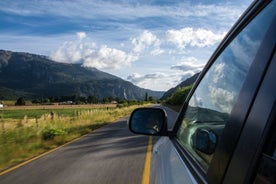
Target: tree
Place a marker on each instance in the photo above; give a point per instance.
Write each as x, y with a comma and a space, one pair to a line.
151, 99
20, 101
146, 96
92, 99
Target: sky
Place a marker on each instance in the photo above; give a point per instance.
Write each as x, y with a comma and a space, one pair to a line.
155, 44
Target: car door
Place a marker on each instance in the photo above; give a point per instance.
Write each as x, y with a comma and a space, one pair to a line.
210, 123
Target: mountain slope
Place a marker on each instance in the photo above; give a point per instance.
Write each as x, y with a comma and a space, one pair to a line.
34, 76
185, 83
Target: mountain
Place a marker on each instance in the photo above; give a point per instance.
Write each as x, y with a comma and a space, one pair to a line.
34, 76
185, 83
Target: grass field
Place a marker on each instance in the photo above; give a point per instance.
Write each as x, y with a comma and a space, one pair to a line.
25, 133
18, 112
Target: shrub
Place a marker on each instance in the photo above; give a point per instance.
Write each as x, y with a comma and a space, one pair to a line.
20, 101
50, 133
179, 96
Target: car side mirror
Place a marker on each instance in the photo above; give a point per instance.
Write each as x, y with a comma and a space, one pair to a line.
204, 141
148, 121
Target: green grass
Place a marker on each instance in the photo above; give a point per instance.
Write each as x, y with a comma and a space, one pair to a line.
35, 113
27, 133
19, 114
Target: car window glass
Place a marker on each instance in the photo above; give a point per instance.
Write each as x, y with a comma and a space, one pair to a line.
211, 103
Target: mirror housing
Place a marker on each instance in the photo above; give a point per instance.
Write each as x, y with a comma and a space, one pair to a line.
148, 121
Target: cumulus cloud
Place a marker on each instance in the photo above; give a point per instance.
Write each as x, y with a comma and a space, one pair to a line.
86, 52
138, 78
194, 37
188, 64
81, 35
148, 81
222, 98
222, 94
74, 51
108, 58
188, 67
162, 81
218, 72
156, 81
147, 40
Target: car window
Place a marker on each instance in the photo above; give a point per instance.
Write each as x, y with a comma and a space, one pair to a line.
212, 101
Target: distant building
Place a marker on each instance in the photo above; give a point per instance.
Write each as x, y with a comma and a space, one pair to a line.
66, 103
1, 105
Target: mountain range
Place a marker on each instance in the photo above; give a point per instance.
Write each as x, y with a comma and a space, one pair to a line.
35, 76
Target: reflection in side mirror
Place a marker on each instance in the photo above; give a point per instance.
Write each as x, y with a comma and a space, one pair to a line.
148, 121
204, 141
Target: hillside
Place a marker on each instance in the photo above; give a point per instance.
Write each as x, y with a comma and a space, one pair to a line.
34, 76
185, 83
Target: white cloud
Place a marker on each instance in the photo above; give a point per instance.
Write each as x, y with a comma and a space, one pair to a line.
108, 58
74, 51
194, 37
218, 72
138, 78
221, 94
189, 64
81, 35
156, 81
222, 98
86, 52
149, 81
147, 40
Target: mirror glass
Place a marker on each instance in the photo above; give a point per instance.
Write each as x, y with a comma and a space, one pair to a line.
204, 141
147, 121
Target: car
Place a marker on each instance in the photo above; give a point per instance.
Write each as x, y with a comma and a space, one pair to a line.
225, 131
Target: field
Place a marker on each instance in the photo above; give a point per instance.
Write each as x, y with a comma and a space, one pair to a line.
31, 130
33, 111
57, 106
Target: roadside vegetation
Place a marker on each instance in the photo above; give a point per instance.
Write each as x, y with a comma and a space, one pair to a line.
177, 99
25, 133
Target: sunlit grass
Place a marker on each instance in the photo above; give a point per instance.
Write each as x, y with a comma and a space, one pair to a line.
37, 132
35, 113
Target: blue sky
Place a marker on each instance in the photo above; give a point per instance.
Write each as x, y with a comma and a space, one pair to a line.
153, 44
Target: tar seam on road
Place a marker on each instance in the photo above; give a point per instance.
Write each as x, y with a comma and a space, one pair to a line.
37, 157
146, 172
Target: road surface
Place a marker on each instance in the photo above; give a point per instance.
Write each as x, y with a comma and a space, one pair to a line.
111, 154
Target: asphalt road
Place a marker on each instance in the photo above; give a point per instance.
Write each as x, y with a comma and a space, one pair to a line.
111, 154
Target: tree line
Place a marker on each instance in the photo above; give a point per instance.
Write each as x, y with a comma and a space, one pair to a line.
74, 99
